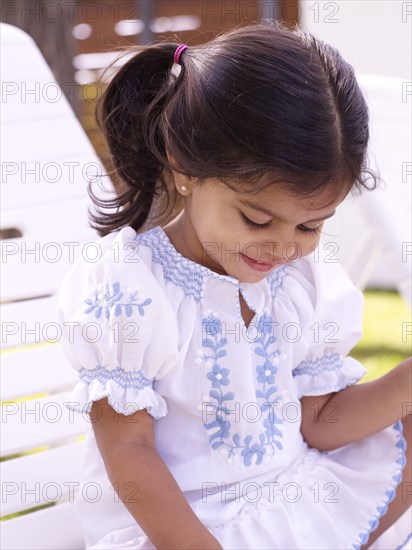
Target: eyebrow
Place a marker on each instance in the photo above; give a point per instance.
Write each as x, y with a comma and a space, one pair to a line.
269, 213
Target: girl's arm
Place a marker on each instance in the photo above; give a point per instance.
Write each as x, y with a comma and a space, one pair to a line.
358, 411
143, 481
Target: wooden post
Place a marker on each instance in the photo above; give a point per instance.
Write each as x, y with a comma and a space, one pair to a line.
146, 11
51, 27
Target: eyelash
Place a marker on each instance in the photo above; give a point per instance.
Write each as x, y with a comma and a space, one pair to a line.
254, 225
257, 226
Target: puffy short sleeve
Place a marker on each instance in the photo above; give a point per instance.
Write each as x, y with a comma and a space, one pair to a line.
331, 309
119, 330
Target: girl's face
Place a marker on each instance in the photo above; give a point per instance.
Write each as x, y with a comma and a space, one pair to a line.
248, 236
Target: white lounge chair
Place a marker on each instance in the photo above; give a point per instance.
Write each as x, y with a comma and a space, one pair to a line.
46, 158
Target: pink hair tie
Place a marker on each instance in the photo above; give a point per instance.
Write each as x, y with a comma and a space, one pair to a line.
178, 52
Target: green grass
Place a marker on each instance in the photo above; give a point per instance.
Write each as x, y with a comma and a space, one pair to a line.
383, 344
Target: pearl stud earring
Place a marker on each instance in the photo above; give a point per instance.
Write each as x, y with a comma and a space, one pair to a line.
184, 187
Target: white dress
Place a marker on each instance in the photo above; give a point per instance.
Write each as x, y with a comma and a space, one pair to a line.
155, 330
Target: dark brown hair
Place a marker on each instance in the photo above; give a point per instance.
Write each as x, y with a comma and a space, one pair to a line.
256, 106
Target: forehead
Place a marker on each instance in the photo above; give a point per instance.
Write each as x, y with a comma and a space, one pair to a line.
280, 197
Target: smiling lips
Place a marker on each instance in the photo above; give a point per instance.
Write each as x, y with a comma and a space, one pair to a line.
258, 265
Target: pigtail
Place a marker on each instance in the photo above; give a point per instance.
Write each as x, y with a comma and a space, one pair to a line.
128, 114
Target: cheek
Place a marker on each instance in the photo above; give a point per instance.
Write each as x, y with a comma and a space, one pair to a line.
214, 219
222, 235
209, 221
296, 247
309, 244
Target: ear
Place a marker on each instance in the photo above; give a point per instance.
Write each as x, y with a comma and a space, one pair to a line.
182, 182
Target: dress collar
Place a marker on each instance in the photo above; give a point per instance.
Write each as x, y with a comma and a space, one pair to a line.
190, 275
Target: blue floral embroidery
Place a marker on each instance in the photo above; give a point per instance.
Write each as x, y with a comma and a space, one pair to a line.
111, 299
266, 374
250, 450
219, 376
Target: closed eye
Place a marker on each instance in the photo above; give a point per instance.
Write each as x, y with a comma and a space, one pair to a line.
310, 230
254, 225
257, 226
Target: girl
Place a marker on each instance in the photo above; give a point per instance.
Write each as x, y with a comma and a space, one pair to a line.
211, 343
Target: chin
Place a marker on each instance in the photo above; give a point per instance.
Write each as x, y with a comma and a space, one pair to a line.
252, 277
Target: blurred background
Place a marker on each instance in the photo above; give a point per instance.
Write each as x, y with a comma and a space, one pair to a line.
79, 38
